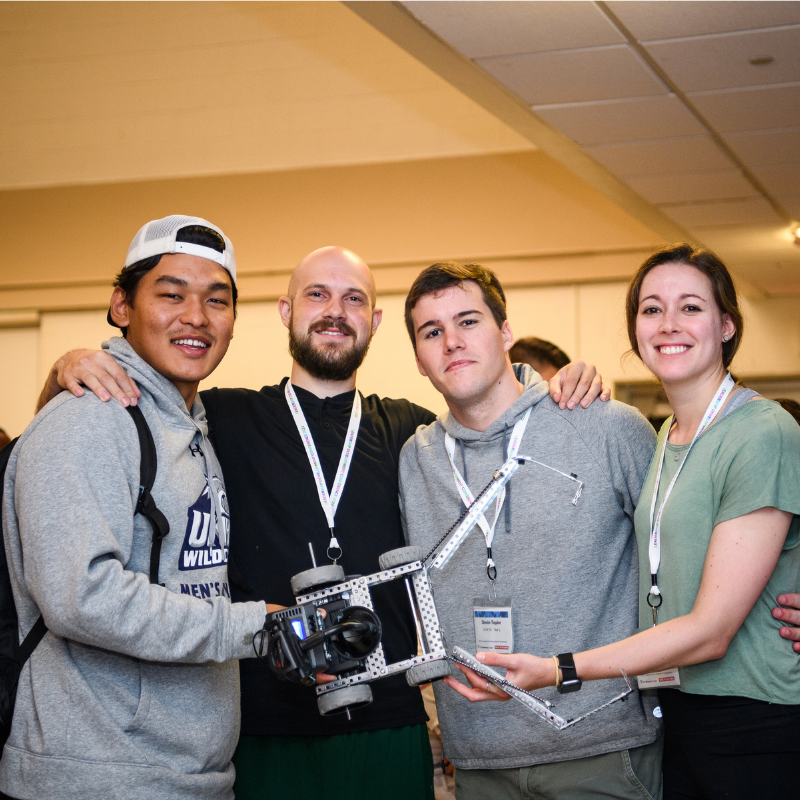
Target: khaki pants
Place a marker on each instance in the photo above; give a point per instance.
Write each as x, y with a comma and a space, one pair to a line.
625, 775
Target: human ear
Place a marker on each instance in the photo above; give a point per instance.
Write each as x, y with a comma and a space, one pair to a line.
728, 328
377, 317
285, 310
119, 308
508, 336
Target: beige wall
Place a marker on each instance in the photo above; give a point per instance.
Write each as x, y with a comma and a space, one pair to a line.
521, 212
562, 251
586, 320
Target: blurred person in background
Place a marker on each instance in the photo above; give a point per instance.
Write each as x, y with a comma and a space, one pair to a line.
545, 357
792, 406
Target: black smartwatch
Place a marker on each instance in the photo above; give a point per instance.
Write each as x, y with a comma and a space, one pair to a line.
569, 681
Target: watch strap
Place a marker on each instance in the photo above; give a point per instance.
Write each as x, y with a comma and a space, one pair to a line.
569, 681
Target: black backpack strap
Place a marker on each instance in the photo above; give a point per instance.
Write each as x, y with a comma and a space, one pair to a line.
9, 624
146, 506
35, 635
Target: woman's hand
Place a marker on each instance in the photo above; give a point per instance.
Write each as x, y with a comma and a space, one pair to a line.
526, 671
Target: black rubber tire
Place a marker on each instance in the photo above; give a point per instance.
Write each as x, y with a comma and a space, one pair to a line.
428, 672
339, 700
317, 578
400, 557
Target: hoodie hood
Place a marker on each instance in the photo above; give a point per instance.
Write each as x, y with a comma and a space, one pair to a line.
171, 408
163, 392
535, 389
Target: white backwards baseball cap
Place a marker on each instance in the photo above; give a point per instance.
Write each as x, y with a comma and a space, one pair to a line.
158, 238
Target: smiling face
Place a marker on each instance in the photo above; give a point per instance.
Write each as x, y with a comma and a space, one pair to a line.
679, 326
460, 347
330, 313
181, 322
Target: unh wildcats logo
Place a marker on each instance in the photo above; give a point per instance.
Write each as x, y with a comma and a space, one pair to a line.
203, 546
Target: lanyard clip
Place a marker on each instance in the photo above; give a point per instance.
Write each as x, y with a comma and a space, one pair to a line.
334, 545
654, 595
491, 569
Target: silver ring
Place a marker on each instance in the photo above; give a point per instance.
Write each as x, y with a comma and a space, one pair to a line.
488, 686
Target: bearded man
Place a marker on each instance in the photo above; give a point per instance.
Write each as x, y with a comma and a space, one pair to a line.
266, 442
287, 749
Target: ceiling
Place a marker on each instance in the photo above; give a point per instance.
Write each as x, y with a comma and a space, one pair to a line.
695, 106
102, 92
657, 104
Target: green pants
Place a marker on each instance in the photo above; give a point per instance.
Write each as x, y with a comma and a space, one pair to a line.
625, 775
394, 763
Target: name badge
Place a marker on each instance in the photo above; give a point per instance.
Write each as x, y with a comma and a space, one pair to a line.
494, 630
660, 680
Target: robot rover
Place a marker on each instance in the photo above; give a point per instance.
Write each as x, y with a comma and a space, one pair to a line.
334, 628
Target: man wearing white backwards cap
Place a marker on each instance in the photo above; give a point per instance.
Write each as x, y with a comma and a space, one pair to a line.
134, 690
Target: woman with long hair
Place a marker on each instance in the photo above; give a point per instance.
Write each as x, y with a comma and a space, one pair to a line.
717, 536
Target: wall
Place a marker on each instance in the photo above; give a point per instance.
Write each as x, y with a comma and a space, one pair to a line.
586, 320
520, 211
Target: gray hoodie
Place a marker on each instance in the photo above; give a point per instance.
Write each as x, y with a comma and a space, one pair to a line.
570, 570
134, 691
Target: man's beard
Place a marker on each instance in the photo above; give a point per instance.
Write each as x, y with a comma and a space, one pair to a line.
326, 362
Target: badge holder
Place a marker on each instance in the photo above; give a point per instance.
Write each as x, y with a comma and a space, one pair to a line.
494, 629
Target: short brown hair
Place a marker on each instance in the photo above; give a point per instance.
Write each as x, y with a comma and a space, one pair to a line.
721, 284
446, 274
540, 351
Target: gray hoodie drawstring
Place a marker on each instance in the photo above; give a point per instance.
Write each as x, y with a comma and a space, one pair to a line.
508, 485
212, 468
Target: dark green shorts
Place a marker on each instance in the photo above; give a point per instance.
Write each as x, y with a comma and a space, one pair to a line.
391, 763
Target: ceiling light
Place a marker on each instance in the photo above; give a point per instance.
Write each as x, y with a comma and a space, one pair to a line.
796, 234
760, 61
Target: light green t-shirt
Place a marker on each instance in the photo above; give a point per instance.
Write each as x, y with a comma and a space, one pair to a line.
749, 459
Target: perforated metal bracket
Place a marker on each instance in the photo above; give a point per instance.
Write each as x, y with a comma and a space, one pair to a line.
482, 502
540, 707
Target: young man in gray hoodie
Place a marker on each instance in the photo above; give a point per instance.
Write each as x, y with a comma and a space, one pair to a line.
561, 548
134, 690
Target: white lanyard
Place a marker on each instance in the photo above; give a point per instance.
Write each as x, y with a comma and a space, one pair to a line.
654, 550
329, 502
467, 496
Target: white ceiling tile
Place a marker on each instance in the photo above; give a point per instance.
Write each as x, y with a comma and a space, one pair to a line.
761, 148
751, 109
657, 156
480, 29
753, 210
649, 20
622, 120
692, 186
574, 76
723, 62
781, 178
